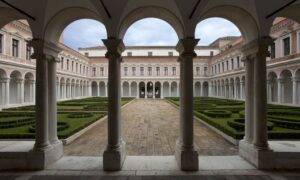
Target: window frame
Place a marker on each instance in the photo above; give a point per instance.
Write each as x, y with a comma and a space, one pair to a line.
283, 43
18, 47
2, 43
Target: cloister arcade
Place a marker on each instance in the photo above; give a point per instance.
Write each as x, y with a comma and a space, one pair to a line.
249, 17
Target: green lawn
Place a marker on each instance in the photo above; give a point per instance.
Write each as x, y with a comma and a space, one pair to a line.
73, 115
229, 117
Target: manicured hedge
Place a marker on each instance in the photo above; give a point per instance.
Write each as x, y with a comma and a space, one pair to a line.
217, 113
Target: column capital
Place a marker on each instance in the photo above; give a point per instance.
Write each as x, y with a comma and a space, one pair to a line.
115, 47
280, 80
296, 79
257, 47
44, 50
186, 47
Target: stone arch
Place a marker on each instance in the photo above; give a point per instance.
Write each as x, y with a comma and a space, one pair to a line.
197, 89
8, 15
174, 89
28, 87
134, 89
231, 88
238, 87
125, 89
142, 90
102, 89
205, 89
286, 86
56, 25
94, 89
157, 91
15, 87
154, 12
245, 22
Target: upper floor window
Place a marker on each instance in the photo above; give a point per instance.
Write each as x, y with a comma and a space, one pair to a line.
215, 69
86, 54
174, 71
238, 62
211, 53
15, 48
125, 71
299, 42
94, 71
223, 68
170, 53
83, 69
72, 66
129, 53
150, 71
142, 71
134, 71
219, 68
101, 71
205, 71
198, 71
61, 63
80, 68
28, 52
87, 70
157, 71
227, 65
68, 64
273, 50
232, 64
286, 46
166, 71
1, 43
77, 67
150, 53
212, 70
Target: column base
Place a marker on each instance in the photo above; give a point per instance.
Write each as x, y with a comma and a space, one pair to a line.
187, 159
261, 158
113, 159
25, 159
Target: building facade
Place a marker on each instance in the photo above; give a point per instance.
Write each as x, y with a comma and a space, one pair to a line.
151, 72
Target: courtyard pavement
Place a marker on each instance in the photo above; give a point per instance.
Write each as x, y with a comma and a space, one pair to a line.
150, 128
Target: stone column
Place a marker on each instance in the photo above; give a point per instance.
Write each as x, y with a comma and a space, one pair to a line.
6, 84
20, 91
170, 89
138, 91
254, 147
269, 91
106, 89
186, 155
242, 90
114, 155
295, 90
161, 91
129, 93
58, 90
280, 98
3, 93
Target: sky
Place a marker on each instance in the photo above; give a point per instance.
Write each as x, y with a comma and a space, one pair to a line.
149, 31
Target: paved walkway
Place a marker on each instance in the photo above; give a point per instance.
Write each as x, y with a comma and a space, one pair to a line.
150, 127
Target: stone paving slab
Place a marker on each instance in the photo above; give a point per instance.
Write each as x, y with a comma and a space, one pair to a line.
150, 127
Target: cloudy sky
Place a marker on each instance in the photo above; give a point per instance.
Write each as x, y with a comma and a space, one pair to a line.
150, 31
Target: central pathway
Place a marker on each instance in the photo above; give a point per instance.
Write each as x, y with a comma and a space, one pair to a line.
150, 128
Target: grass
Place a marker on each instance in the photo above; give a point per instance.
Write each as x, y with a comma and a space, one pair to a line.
73, 115
283, 121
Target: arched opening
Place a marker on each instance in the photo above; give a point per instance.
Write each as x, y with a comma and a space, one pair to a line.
63, 86
157, 91
142, 90
197, 89
273, 87
205, 89
174, 89
232, 88
126, 89
16, 88
238, 87
134, 89
29, 86
102, 88
67, 89
150, 90
286, 86
94, 89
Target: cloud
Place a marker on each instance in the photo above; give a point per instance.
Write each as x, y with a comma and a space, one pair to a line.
149, 31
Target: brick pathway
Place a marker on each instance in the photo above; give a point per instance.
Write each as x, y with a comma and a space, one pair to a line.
150, 127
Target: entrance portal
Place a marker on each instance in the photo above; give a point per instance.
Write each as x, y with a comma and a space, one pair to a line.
142, 90
150, 90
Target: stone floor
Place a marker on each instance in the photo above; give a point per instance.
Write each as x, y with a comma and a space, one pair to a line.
150, 127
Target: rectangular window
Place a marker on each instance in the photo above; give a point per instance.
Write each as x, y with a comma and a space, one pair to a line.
28, 52
205, 71
286, 46
150, 53
61, 63
94, 71
198, 71
157, 71
223, 68
68, 64
87, 70
219, 68
77, 67
72, 66
86, 54
227, 65
83, 69
211, 53
170, 53
166, 71
15, 48
101, 71
133, 71
215, 69
273, 51
238, 62
174, 71
212, 70
125, 71
129, 53
142, 71
232, 64
1, 43
80, 68
149, 71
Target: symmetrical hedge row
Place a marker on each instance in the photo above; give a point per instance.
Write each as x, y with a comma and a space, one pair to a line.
229, 117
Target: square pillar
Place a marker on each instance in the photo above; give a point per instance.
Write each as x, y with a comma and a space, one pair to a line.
185, 153
114, 155
295, 90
